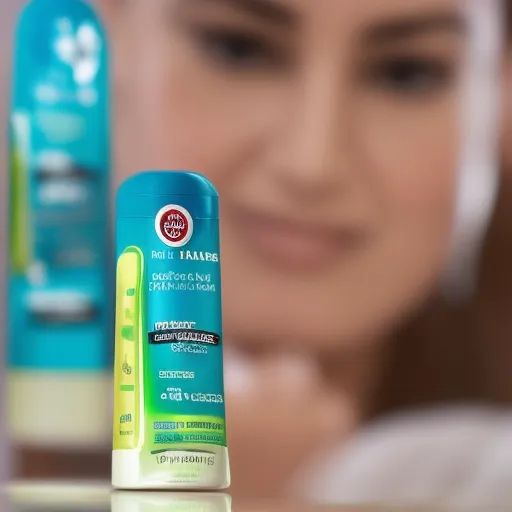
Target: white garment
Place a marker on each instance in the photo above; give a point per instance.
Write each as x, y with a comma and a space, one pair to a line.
459, 456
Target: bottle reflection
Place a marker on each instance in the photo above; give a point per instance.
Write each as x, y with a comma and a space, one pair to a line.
80, 497
131, 501
45, 496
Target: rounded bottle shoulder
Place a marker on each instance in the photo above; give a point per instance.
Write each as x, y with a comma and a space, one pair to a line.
179, 183
147, 194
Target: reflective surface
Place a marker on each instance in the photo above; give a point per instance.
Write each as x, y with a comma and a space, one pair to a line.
71, 497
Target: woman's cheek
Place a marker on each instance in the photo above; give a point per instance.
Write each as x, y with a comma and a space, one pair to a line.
412, 161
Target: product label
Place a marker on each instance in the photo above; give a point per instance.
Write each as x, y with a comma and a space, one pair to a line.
169, 285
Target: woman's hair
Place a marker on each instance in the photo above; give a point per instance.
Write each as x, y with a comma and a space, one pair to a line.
456, 353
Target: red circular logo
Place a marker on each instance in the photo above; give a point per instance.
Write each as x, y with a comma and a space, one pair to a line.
174, 226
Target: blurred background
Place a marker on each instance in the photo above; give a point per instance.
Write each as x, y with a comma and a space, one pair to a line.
381, 357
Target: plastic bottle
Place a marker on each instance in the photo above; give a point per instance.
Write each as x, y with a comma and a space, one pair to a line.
169, 413
59, 312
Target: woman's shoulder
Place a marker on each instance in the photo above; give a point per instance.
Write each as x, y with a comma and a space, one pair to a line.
455, 455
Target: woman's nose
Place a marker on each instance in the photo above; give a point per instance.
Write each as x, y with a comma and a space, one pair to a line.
312, 140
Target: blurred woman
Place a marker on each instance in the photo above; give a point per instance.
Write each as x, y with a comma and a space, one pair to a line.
332, 133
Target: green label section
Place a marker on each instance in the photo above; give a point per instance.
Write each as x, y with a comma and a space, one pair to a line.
128, 336
184, 429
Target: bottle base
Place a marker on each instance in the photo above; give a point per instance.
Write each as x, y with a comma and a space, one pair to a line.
173, 470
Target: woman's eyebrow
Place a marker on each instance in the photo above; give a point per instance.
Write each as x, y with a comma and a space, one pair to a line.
399, 28
267, 10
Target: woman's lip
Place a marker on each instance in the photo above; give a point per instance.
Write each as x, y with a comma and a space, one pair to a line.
295, 244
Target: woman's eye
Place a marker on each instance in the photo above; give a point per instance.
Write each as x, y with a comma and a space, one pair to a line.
412, 75
232, 49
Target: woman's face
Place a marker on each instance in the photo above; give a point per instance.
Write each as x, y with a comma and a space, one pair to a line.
330, 129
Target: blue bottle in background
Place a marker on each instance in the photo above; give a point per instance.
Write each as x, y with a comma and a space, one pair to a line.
59, 311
